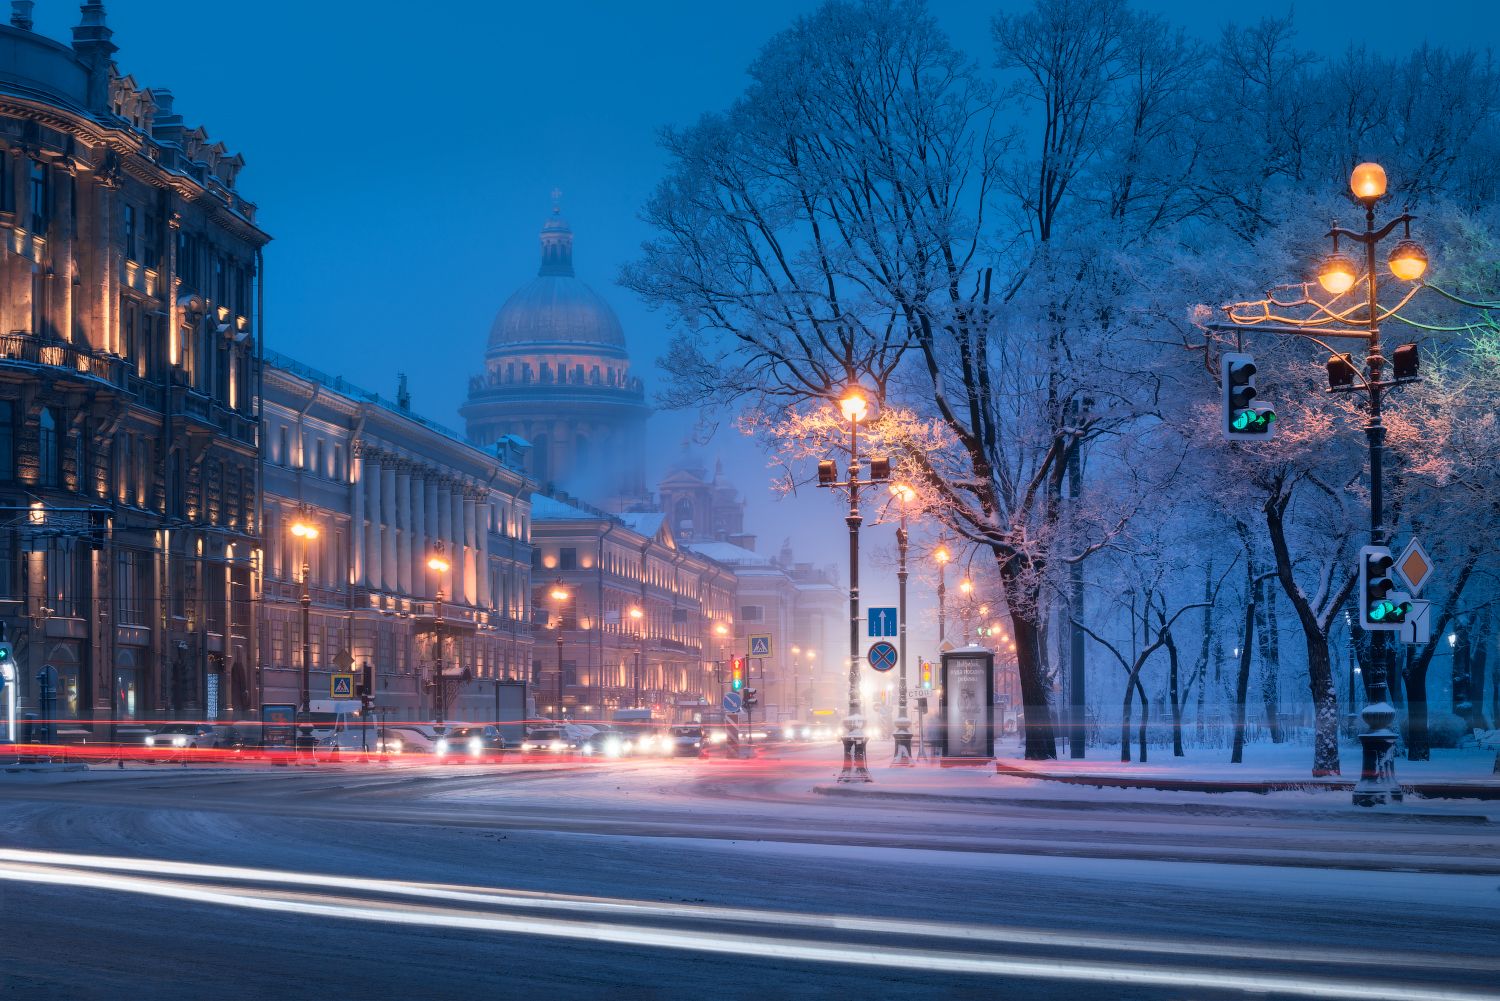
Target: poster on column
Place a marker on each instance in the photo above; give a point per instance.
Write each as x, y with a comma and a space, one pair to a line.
968, 706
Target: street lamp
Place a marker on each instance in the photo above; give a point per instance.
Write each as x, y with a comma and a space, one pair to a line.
967, 587
640, 639
560, 595
904, 495
854, 407
942, 557
306, 530
438, 564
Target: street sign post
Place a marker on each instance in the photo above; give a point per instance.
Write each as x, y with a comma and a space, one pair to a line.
760, 645
882, 656
884, 622
731, 702
1417, 629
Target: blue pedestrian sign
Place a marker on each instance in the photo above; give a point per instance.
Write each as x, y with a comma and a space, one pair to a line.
760, 644
882, 656
883, 622
731, 702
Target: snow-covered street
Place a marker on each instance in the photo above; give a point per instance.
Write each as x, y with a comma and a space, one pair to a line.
731, 879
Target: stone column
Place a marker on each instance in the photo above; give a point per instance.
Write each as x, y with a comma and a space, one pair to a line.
486, 519
403, 524
372, 474
460, 556
357, 509
419, 543
471, 568
445, 529
390, 579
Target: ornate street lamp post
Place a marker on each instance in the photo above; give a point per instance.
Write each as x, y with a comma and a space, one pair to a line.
1324, 321
942, 557
640, 642
904, 495
967, 587
304, 529
854, 408
438, 564
559, 595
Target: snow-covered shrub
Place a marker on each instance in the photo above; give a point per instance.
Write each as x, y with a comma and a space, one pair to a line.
1446, 729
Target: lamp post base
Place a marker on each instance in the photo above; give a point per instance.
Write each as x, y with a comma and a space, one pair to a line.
855, 769
902, 757
1377, 784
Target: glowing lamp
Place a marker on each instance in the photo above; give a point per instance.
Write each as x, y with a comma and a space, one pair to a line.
941, 555
903, 492
304, 530
559, 594
854, 407
965, 585
1336, 274
1408, 261
636, 613
1368, 182
437, 563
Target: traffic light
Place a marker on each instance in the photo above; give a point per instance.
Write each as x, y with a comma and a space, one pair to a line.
1404, 362
737, 673
365, 686
1381, 607
751, 697
827, 473
1242, 419
5, 654
927, 674
1340, 373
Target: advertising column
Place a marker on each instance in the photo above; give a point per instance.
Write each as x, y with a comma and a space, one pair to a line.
968, 706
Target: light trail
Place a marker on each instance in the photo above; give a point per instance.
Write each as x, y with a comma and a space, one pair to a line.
109, 873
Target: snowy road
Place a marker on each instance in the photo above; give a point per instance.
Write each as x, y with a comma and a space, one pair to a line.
715, 879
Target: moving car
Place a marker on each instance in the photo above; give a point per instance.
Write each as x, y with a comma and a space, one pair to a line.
473, 741
688, 740
546, 740
177, 738
407, 740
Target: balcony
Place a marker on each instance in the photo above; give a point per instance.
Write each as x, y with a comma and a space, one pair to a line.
58, 354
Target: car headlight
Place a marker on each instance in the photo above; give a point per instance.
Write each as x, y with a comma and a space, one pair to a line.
476, 746
441, 747
179, 742
719, 738
150, 741
588, 748
557, 745
394, 746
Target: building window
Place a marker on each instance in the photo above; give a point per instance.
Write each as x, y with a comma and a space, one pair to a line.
7, 190
41, 197
130, 233
285, 457
567, 559
7, 441
752, 613
48, 458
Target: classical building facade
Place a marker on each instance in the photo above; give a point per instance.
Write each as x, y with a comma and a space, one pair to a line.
130, 271
387, 491
557, 375
591, 571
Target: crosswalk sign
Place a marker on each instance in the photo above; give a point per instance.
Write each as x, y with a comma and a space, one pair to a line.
760, 645
341, 686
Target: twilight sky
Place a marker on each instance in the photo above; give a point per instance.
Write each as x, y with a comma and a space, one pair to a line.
402, 155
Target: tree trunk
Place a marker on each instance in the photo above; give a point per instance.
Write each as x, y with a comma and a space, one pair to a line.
1325, 697
1270, 659
1462, 704
1242, 685
1024, 601
1140, 691
1176, 698
1418, 741
1125, 718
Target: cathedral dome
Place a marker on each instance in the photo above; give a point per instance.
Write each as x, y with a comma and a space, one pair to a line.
556, 309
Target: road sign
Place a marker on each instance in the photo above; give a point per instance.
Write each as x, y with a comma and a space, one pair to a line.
883, 622
760, 645
731, 702
1414, 566
1417, 629
342, 660
341, 686
882, 656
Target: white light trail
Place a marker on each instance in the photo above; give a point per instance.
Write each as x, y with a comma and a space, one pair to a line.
103, 873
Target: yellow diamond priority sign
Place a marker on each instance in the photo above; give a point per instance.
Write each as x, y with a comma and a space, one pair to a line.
1414, 566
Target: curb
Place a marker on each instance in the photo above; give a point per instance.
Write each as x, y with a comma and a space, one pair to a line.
1427, 790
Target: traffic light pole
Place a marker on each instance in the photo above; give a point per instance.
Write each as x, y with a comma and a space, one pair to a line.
854, 767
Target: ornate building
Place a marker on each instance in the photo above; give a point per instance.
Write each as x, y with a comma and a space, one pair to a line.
557, 375
387, 490
130, 271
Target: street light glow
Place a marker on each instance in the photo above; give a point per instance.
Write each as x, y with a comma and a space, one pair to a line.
854, 406
1408, 261
1337, 273
559, 593
966, 585
941, 555
1368, 181
437, 563
903, 492
304, 529
636, 613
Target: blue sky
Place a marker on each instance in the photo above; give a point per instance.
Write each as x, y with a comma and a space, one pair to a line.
402, 154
